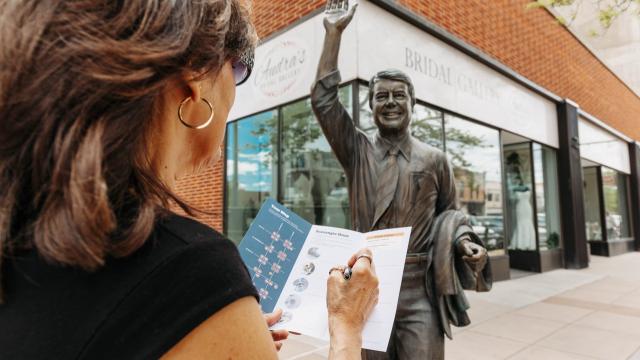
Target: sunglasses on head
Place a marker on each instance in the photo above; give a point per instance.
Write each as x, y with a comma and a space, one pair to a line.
242, 67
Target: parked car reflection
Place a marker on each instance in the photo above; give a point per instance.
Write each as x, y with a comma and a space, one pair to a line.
490, 229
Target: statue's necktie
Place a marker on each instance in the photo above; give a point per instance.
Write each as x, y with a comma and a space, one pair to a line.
387, 184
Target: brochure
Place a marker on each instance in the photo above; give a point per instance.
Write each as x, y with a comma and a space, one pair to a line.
289, 261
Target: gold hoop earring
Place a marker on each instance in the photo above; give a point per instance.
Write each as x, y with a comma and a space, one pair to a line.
207, 123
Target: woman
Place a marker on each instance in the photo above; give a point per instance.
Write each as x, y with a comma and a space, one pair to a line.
103, 104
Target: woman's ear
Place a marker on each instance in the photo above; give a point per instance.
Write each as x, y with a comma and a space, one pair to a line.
192, 87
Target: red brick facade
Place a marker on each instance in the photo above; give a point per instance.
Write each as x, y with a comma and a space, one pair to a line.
528, 41
205, 191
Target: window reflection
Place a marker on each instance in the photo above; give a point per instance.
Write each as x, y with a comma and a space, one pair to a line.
545, 165
251, 175
365, 116
474, 152
314, 183
426, 126
614, 186
593, 220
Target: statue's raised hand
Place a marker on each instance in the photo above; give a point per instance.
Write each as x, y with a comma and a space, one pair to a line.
338, 14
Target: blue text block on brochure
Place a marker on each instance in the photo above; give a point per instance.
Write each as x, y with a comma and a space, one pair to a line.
269, 250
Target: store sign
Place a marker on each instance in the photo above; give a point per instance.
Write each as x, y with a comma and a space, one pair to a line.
447, 76
285, 68
602, 147
281, 68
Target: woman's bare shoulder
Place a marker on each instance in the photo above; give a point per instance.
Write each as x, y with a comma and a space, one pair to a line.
237, 331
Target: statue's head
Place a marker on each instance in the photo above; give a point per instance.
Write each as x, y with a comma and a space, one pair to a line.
391, 98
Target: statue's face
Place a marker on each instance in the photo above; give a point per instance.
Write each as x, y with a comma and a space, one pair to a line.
391, 106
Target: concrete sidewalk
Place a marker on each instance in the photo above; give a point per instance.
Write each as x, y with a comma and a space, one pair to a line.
564, 314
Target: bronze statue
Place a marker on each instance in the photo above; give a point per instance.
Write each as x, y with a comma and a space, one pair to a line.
394, 180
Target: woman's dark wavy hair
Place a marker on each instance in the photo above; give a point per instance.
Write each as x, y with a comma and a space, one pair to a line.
80, 81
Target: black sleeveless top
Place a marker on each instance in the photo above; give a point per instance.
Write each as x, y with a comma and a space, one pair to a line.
133, 308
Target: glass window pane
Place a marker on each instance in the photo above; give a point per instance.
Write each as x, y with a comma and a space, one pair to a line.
519, 177
614, 186
251, 174
426, 126
365, 116
592, 204
345, 94
314, 184
474, 152
547, 197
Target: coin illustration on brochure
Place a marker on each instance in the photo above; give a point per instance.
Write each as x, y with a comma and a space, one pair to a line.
309, 268
300, 284
293, 301
314, 253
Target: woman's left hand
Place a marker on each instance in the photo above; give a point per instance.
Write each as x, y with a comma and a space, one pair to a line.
277, 335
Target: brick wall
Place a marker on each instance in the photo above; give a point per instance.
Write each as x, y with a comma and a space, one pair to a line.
528, 41
270, 16
205, 191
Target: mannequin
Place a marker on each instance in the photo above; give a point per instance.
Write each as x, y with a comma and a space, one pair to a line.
523, 237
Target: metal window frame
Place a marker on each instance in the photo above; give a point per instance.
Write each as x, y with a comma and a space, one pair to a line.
603, 217
534, 195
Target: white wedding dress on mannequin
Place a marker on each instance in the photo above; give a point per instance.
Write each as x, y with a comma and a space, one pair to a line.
524, 233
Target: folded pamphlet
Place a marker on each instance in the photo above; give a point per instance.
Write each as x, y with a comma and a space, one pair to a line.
289, 261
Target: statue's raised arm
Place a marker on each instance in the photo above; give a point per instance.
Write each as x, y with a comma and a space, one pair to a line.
338, 15
335, 121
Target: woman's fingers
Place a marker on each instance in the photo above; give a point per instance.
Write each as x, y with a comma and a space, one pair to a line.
351, 301
279, 335
273, 318
362, 255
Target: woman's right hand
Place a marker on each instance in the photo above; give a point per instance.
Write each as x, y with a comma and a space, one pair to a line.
350, 302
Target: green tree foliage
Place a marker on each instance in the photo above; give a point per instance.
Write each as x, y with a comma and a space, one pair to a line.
608, 10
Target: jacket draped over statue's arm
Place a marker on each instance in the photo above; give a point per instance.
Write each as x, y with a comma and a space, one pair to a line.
451, 274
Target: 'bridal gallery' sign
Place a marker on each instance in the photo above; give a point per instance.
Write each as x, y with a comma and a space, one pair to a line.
376, 40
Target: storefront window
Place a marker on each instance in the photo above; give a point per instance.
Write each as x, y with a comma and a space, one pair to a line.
592, 207
314, 184
614, 186
545, 166
251, 175
474, 153
520, 204
426, 126
366, 116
